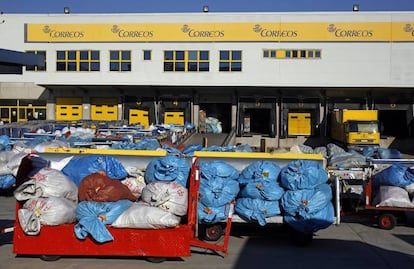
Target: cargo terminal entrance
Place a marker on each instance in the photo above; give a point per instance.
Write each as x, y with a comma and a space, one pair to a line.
175, 111
140, 110
257, 117
219, 111
394, 123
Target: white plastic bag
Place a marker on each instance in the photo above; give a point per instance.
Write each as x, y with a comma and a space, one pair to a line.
392, 196
47, 182
135, 185
45, 211
143, 216
168, 195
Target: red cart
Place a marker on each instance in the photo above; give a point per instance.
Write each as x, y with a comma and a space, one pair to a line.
154, 244
387, 216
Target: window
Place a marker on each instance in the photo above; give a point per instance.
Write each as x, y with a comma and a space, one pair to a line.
186, 61
292, 53
147, 55
230, 61
120, 60
75, 60
36, 67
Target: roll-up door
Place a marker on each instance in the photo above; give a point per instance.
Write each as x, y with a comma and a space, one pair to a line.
68, 109
104, 109
139, 116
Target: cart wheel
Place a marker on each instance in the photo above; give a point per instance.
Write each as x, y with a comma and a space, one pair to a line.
156, 259
213, 232
49, 258
387, 221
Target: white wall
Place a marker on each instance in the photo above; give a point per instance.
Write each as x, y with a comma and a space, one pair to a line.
342, 64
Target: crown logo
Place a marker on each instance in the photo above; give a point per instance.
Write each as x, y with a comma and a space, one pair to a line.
331, 28
257, 28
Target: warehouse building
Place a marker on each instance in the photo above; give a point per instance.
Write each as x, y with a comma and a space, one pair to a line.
272, 76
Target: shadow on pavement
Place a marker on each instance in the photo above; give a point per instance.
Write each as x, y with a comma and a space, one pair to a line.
274, 252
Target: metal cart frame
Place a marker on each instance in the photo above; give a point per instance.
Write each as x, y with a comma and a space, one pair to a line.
157, 245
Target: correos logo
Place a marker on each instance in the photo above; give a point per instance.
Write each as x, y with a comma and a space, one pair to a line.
131, 33
201, 33
270, 33
409, 29
346, 33
62, 34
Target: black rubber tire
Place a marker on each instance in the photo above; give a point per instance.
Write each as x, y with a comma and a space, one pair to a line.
387, 221
156, 259
49, 258
213, 232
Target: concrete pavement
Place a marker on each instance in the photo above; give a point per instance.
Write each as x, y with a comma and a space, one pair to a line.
355, 243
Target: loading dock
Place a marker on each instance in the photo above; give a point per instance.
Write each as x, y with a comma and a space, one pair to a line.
68, 109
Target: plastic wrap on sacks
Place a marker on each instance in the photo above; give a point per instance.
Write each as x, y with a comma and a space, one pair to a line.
144, 216
47, 182
167, 195
385, 153
211, 215
100, 188
144, 144
218, 184
256, 209
171, 150
306, 202
392, 196
218, 169
302, 174
78, 168
351, 159
334, 149
49, 211
217, 191
260, 171
7, 181
93, 216
270, 191
312, 223
168, 168
395, 175
189, 150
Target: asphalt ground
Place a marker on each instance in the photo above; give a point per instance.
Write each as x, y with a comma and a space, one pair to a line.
355, 243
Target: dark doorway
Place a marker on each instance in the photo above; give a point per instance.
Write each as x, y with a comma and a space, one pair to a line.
260, 120
220, 111
393, 123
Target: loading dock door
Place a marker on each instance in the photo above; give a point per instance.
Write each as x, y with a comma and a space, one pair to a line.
139, 116
174, 117
68, 109
299, 123
104, 109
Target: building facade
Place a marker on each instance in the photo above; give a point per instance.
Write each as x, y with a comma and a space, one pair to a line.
269, 75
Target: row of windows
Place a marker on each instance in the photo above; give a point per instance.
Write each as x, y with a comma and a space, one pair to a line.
174, 60
293, 54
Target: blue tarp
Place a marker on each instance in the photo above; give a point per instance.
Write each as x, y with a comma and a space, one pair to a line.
168, 168
218, 184
260, 180
302, 174
211, 215
256, 209
313, 222
306, 202
78, 168
93, 216
395, 175
7, 181
260, 171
